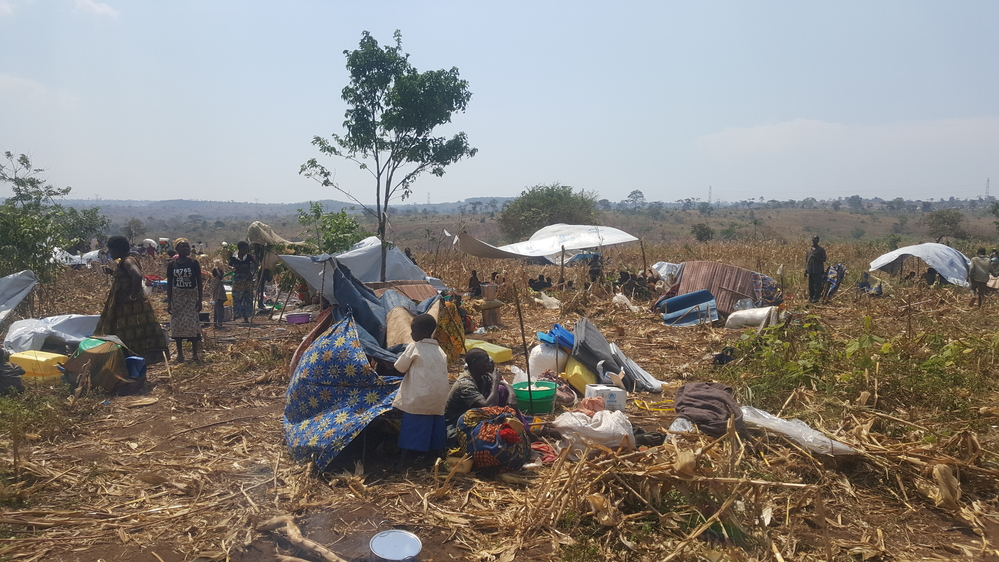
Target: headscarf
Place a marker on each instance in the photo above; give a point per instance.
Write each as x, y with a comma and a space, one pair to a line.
178, 241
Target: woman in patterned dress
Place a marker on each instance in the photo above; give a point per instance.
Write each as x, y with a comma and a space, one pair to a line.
185, 291
127, 312
244, 265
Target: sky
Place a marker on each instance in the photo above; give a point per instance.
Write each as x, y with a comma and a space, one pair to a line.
220, 100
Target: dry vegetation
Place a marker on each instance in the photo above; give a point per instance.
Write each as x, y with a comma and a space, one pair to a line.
194, 469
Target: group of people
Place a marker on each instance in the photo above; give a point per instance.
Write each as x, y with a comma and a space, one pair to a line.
128, 312
478, 411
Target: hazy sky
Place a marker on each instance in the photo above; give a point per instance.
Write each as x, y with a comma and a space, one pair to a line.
220, 100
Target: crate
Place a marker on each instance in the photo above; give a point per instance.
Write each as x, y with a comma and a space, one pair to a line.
39, 366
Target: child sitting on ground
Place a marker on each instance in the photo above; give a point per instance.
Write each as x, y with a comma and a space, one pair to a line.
423, 392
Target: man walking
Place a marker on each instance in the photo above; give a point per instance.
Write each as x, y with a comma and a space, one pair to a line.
815, 270
978, 276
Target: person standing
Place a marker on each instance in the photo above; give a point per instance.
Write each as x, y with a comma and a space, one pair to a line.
185, 292
815, 270
243, 265
978, 276
127, 312
216, 291
423, 392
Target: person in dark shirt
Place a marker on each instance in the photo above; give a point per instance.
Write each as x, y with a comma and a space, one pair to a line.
185, 293
474, 285
815, 270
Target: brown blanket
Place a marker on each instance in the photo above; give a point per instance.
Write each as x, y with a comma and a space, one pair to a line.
709, 405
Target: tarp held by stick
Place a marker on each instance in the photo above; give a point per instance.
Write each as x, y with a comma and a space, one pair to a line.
950, 263
548, 242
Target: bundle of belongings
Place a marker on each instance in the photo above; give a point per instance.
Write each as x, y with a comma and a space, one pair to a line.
105, 363
706, 290
590, 359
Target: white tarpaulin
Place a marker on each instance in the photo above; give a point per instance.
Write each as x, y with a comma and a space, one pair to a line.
365, 262
13, 289
950, 263
30, 334
548, 241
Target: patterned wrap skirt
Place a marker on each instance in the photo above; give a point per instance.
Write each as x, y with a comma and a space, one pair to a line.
243, 288
184, 318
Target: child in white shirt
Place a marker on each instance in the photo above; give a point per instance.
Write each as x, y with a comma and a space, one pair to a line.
423, 392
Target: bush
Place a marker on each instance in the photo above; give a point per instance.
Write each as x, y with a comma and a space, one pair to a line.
543, 205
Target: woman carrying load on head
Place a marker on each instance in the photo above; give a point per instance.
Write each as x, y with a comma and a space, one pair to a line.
127, 312
185, 291
244, 265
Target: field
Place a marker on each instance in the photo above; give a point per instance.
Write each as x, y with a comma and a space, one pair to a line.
193, 468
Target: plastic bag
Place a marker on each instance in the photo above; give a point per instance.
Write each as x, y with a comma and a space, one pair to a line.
797, 431
743, 304
518, 374
608, 428
622, 300
551, 303
545, 357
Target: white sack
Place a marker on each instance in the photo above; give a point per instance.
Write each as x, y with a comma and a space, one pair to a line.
607, 428
546, 357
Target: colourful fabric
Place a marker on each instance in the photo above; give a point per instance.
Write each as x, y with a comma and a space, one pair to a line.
450, 333
134, 322
835, 277
184, 322
422, 433
487, 435
333, 395
242, 295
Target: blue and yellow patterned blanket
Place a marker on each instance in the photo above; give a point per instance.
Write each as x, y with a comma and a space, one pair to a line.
333, 395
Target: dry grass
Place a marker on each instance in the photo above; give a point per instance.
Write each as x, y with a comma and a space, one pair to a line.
195, 472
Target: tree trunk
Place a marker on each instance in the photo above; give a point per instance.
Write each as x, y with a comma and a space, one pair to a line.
381, 236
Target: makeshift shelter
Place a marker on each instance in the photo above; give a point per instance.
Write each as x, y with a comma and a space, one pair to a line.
106, 364
35, 333
334, 393
950, 263
13, 289
728, 284
547, 243
365, 261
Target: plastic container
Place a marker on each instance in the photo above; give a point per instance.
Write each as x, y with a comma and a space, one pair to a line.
578, 375
39, 366
499, 353
542, 397
395, 545
299, 318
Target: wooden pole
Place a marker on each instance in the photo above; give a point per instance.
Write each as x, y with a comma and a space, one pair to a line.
523, 339
645, 264
561, 275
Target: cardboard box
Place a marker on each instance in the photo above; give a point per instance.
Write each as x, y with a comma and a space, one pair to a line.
614, 397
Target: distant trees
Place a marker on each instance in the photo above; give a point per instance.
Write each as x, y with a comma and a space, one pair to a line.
945, 223
855, 202
704, 208
133, 229
543, 205
392, 111
702, 232
636, 199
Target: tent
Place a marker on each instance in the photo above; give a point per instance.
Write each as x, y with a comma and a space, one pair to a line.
13, 289
950, 263
33, 333
548, 242
365, 261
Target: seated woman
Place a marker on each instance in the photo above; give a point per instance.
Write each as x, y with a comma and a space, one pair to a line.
479, 415
474, 285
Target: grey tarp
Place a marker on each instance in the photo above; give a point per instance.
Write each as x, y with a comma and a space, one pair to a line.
950, 263
31, 334
365, 261
13, 289
340, 287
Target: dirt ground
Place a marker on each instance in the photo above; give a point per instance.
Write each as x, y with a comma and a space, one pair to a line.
189, 469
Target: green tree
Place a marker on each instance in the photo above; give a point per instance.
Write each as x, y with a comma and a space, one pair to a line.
836, 205
702, 232
133, 229
543, 205
945, 223
392, 111
855, 202
704, 208
29, 232
636, 198
79, 227
335, 232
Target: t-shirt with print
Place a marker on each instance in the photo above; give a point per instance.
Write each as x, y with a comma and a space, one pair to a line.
184, 276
